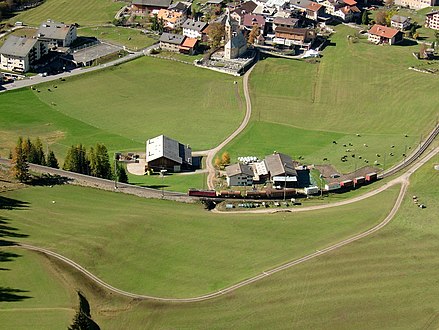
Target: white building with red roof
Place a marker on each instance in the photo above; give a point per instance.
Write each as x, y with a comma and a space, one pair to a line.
380, 34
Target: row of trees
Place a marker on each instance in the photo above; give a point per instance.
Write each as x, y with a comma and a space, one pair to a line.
27, 151
7, 6
95, 162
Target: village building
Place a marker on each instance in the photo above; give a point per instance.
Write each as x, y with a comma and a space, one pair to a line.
416, 4
289, 22
172, 20
239, 175
171, 42
180, 7
303, 37
400, 22
188, 46
347, 10
18, 54
432, 20
251, 20
278, 4
164, 153
194, 29
148, 7
379, 34
311, 9
245, 8
281, 169
265, 11
314, 10
235, 45
56, 34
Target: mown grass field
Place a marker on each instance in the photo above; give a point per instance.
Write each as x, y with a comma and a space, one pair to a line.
125, 105
169, 249
357, 88
33, 295
90, 12
131, 38
174, 182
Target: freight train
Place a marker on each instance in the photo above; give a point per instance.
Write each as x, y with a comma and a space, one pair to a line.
251, 194
350, 184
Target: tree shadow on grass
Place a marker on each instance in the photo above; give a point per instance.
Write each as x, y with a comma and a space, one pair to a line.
7, 203
12, 295
7, 257
7, 232
48, 180
152, 186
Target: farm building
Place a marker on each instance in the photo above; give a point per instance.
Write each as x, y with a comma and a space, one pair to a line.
145, 7
165, 153
379, 34
282, 170
239, 175
294, 36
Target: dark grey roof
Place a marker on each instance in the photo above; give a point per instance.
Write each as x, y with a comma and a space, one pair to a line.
85, 55
399, 19
53, 30
194, 25
286, 21
17, 46
300, 3
239, 168
172, 38
280, 164
179, 6
152, 3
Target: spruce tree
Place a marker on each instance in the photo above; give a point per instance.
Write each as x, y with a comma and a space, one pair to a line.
122, 174
20, 167
51, 160
103, 162
39, 152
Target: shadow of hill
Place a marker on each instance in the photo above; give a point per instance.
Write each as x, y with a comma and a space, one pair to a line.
7, 203
11, 295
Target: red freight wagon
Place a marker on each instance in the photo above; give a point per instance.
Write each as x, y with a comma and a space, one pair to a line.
347, 184
359, 180
371, 177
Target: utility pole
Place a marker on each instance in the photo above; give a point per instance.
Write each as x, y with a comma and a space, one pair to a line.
115, 169
285, 181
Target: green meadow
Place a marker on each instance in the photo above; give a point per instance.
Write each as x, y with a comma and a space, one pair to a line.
90, 12
123, 106
170, 249
300, 108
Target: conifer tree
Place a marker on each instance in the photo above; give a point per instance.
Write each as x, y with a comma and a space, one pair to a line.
20, 167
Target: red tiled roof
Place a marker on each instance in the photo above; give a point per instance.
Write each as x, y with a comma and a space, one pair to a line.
383, 31
314, 6
189, 42
350, 2
250, 20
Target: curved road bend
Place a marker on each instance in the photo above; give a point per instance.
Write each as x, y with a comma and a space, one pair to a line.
404, 179
212, 152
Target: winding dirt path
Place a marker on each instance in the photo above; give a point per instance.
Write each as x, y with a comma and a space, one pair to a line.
403, 180
210, 154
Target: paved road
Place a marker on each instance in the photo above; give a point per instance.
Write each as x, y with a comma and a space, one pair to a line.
403, 179
34, 80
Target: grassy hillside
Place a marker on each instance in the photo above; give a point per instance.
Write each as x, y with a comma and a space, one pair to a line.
388, 280
89, 12
357, 88
32, 292
169, 249
123, 106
